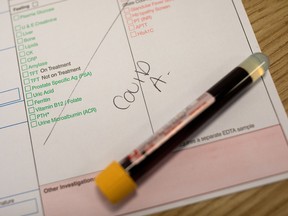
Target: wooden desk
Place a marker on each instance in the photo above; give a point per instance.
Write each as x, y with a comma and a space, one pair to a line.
269, 19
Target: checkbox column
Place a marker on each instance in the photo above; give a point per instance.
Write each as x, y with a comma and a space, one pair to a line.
31, 110
130, 22
25, 71
23, 62
128, 16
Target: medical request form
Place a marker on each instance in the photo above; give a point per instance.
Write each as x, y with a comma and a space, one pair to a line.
84, 82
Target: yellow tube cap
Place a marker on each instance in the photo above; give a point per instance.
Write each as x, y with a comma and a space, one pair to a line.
115, 183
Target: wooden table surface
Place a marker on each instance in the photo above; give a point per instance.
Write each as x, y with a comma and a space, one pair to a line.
269, 20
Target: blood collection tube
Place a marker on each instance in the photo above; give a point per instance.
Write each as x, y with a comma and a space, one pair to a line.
118, 180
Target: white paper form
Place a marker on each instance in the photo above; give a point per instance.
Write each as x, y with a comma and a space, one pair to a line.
90, 80
19, 185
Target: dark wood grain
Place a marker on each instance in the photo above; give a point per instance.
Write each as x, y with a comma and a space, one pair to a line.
269, 19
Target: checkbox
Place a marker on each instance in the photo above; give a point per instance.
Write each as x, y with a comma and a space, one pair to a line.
21, 47
131, 27
24, 67
23, 60
25, 74
26, 81
30, 102
16, 17
20, 41
18, 34
27, 88
18, 27
29, 95
33, 124
133, 34
32, 117
31, 110
22, 54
